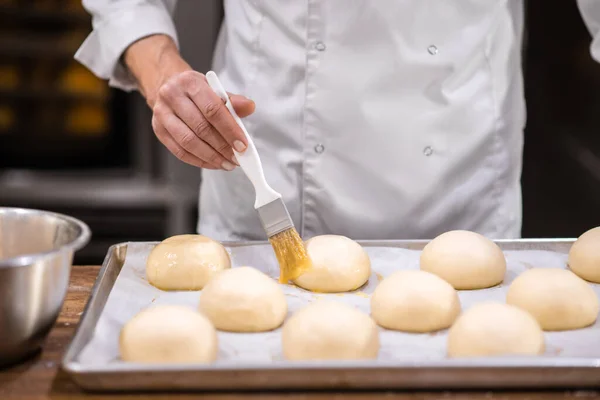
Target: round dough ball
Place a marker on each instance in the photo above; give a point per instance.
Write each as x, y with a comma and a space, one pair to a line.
584, 256
168, 334
185, 262
495, 329
327, 330
339, 264
414, 301
243, 299
466, 260
557, 298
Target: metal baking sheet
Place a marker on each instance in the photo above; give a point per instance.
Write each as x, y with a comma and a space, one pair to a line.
254, 361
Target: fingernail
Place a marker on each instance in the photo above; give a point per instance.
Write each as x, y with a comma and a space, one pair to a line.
235, 161
227, 166
239, 146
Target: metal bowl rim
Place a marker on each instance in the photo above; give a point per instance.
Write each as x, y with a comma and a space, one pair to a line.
27, 259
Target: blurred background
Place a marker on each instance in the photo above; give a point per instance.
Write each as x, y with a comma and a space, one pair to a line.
70, 144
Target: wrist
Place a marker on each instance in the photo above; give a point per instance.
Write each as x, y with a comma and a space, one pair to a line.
152, 61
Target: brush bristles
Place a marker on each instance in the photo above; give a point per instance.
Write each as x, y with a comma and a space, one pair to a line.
291, 255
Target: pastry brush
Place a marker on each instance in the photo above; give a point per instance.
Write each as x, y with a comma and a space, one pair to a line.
274, 216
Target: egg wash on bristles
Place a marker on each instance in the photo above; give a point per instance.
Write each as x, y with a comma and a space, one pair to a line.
291, 254
274, 216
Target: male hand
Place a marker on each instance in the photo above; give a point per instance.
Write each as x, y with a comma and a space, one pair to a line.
188, 117
194, 123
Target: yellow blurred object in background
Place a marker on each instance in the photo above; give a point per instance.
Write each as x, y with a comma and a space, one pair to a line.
74, 6
77, 79
9, 76
7, 118
87, 120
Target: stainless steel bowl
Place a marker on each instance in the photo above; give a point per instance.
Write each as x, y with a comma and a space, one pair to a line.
36, 252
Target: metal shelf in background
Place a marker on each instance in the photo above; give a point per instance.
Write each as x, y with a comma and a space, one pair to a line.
36, 16
34, 47
88, 191
20, 95
117, 208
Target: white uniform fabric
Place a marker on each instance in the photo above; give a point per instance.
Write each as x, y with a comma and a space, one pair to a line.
374, 119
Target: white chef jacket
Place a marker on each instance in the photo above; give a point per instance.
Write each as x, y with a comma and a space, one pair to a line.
375, 119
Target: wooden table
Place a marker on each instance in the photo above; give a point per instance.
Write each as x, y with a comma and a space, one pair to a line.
41, 377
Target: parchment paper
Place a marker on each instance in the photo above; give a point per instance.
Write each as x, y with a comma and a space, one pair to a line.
132, 293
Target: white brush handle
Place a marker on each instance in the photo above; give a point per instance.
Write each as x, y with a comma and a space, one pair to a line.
249, 159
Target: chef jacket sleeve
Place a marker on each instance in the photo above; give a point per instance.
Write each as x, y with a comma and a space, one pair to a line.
116, 25
590, 11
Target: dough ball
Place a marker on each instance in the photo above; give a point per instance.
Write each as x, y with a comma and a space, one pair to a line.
168, 334
557, 298
327, 330
495, 329
414, 301
584, 257
339, 265
243, 299
185, 262
467, 260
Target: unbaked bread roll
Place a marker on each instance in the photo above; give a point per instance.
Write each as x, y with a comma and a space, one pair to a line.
339, 265
243, 299
466, 260
186, 262
584, 256
168, 334
327, 330
414, 301
495, 329
557, 298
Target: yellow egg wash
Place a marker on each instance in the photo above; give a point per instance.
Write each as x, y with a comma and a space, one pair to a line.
291, 255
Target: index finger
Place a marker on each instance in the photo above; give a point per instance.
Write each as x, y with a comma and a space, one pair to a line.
214, 110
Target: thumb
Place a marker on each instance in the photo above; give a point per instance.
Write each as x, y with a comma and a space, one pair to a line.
242, 105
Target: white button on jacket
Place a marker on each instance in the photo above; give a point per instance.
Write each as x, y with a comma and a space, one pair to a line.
375, 119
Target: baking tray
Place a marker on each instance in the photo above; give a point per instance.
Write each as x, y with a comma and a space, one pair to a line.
548, 371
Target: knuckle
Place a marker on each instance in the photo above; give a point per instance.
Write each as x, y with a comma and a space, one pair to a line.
214, 158
191, 80
186, 141
158, 111
166, 90
202, 128
223, 147
187, 76
180, 153
211, 109
154, 124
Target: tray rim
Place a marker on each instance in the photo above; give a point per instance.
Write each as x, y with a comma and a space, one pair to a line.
115, 258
